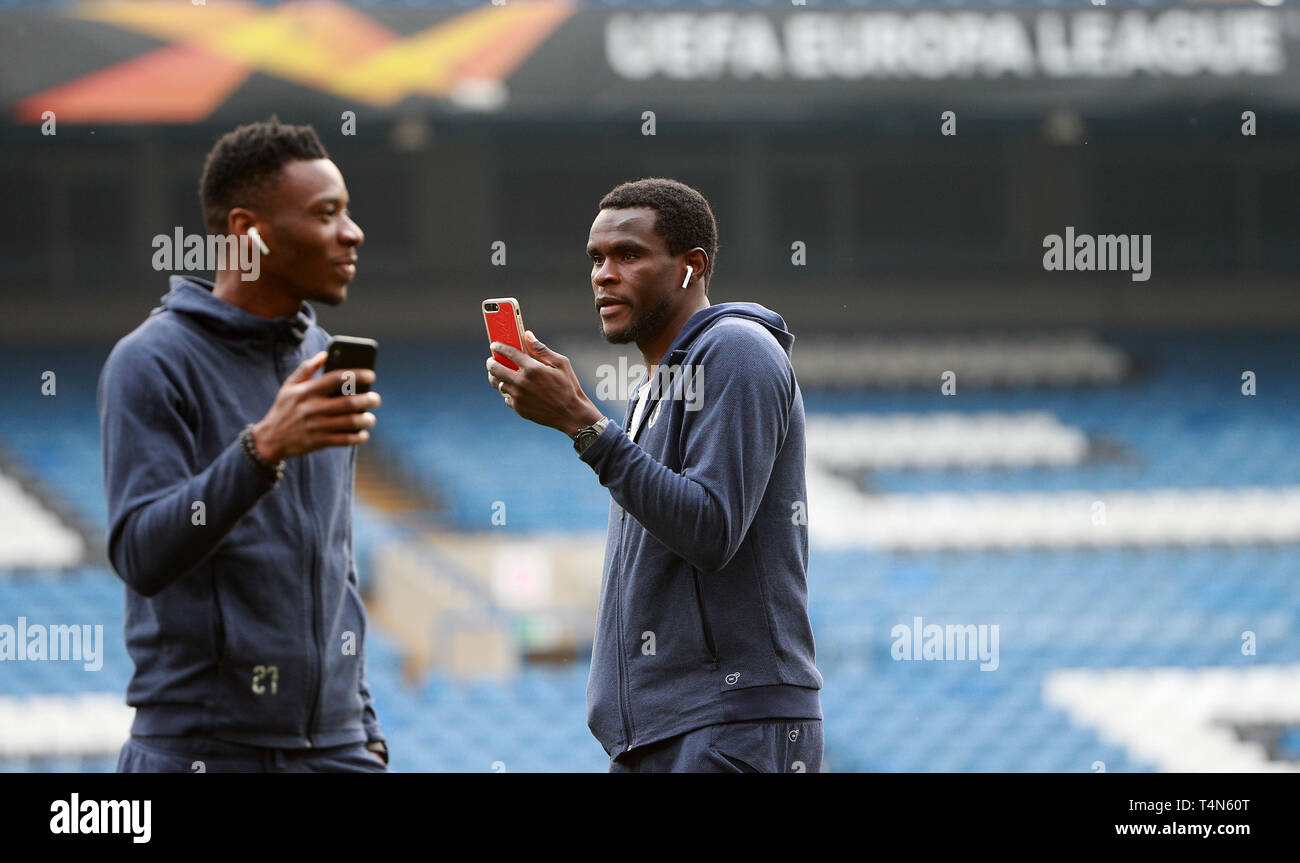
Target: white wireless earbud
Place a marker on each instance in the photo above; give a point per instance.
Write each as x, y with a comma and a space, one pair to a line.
686, 281
257, 238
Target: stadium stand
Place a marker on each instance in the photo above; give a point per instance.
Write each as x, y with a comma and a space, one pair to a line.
1125, 652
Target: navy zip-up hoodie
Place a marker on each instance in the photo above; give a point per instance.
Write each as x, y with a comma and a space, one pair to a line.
242, 611
703, 614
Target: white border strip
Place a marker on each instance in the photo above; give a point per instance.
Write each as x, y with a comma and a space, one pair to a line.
842, 516
89, 723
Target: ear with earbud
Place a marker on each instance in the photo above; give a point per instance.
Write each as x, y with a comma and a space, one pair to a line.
257, 238
686, 281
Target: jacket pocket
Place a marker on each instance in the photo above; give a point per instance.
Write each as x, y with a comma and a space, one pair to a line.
263, 676
704, 618
742, 747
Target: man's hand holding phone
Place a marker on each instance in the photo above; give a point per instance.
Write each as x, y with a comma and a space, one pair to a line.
544, 389
305, 416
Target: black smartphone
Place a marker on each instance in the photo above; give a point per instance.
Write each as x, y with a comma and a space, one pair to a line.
351, 352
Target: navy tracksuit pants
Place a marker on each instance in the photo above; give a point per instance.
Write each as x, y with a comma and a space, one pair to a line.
759, 746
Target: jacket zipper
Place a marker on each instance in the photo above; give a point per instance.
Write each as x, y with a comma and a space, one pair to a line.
309, 524
623, 683
624, 707
315, 652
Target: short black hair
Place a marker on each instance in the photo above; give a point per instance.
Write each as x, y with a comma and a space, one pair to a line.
682, 215
241, 163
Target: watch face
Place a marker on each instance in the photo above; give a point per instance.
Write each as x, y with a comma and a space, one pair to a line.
585, 438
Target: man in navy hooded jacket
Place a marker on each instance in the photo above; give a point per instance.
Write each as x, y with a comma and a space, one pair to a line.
228, 469
703, 659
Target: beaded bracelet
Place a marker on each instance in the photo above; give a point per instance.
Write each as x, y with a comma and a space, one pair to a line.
272, 472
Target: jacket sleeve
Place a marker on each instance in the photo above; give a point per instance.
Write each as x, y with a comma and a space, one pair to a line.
728, 446
157, 531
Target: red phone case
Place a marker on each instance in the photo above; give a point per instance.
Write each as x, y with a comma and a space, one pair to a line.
505, 325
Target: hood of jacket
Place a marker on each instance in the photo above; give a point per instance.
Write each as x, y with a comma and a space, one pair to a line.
193, 298
705, 318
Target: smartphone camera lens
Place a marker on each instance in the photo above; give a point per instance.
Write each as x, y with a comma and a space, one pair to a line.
491, 307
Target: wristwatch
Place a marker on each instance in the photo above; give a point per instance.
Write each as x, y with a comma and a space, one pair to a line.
587, 435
